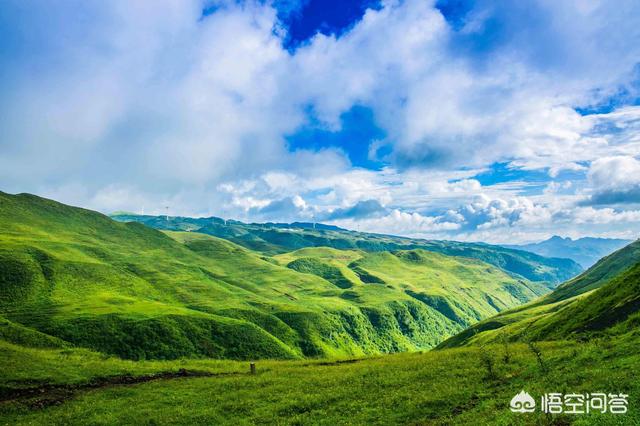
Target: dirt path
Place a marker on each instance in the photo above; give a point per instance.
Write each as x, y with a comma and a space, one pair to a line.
46, 395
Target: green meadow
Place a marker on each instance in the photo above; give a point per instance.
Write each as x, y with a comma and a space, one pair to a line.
453, 386
128, 290
112, 322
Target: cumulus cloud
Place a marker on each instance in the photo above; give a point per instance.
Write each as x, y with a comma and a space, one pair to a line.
614, 180
399, 222
152, 95
360, 210
443, 109
154, 104
508, 221
285, 209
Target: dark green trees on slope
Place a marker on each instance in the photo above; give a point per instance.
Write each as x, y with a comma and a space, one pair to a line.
70, 276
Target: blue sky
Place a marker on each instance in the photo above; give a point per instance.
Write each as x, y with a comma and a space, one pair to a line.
471, 120
303, 19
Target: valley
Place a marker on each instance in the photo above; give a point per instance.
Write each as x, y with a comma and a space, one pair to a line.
139, 293
105, 322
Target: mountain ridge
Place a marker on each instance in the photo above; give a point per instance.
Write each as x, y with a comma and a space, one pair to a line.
273, 240
586, 251
130, 290
605, 295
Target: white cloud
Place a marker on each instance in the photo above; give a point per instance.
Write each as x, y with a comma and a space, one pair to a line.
402, 223
614, 180
616, 173
150, 104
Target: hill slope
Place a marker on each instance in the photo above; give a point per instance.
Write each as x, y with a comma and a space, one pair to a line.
462, 290
606, 298
449, 387
273, 238
73, 276
585, 251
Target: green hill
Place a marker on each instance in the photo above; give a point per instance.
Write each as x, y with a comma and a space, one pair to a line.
463, 290
79, 292
62, 386
277, 238
76, 277
604, 299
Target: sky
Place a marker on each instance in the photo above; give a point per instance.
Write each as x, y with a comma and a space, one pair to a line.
495, 121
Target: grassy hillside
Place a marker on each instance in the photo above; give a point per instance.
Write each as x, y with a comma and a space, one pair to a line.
451, 387
79, 278
463, 290
604, 299
273, 238
79, 292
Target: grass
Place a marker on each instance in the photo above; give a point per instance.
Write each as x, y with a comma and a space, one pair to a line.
463, 290
26, 367
112, 323
128, 290
441, 387
604, 299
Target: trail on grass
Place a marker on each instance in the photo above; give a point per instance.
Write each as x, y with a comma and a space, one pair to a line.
45, 395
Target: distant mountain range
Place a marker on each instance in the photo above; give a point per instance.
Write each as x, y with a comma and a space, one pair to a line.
276, 238
585, 251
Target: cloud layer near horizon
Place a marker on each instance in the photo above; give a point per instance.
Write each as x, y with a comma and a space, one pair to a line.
120, 105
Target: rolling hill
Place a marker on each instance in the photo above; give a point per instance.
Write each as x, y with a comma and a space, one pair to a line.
70, 276
278, 238
604, 299
585, 251
463, 291
79, 292
462, 386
